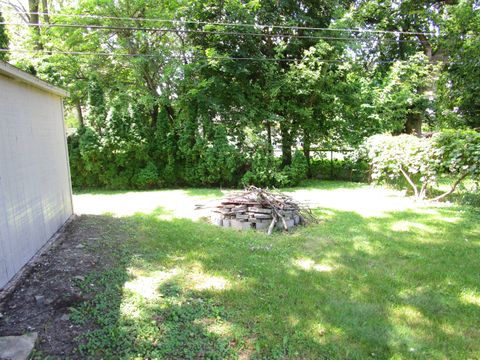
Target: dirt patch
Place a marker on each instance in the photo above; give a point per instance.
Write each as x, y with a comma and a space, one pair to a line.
41, 300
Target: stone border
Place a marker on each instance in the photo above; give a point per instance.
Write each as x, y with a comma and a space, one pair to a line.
26, 269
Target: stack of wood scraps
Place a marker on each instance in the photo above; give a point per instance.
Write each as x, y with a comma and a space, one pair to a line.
260, 209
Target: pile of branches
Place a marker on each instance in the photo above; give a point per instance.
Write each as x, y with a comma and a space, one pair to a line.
261, 209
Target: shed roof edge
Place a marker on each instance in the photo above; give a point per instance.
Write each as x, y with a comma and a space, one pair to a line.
20, 75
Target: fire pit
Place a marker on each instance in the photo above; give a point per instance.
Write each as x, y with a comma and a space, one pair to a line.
260, 209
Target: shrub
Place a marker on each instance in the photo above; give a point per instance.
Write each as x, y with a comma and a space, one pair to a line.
405, 156
457, 153
147, 177
420, 160
348, 169
219, 161
263, 168
297, 171
95, 163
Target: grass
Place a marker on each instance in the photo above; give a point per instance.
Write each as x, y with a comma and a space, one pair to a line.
398, 282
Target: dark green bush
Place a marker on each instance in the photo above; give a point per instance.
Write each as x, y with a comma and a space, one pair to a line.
147, 177
263, 169
297, 171
195, 161
345, 170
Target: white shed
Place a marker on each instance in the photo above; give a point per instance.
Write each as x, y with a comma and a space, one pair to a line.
35, 187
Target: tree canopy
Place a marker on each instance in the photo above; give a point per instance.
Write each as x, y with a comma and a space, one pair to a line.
191, 92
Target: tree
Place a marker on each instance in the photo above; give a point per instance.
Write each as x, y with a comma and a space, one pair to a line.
3, 39
416, 22
187, 102
460, 83
403, 99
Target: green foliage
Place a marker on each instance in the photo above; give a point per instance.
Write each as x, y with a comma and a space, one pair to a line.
348, 169
458, 152
3, 38
264, 168
147, 177
216, 162
190, 111
404, 94
407, 156
421, 160
297, 171
460, 103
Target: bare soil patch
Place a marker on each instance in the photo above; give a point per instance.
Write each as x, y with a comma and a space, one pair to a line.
41, 300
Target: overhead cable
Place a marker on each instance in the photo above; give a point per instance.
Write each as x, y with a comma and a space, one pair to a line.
272, 26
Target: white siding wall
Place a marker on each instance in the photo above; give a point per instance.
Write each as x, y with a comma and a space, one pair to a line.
35, 191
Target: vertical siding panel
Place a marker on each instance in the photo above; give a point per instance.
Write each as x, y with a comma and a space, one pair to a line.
34, 176
4, 255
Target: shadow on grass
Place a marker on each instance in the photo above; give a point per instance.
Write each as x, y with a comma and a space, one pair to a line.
98, 191
404, 285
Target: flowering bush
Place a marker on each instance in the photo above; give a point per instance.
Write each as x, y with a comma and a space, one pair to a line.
420, 160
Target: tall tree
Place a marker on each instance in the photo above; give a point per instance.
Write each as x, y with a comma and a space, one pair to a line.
3, 39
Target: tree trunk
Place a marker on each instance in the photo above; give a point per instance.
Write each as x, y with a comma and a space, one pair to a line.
170, 113
413, 125
286, 145
306, 153
269, 133
34, 19
154, 116
46, 17
80, 114
452, 189
410, 181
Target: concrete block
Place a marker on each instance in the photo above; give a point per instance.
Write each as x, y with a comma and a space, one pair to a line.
240, 208
17, 347
262, 225
263, 216
217, 220
259, 210
296, 219
240, 225
290, 223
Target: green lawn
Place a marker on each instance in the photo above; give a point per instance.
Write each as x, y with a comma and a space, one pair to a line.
379, 277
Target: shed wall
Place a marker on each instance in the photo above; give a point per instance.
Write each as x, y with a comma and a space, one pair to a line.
35, 191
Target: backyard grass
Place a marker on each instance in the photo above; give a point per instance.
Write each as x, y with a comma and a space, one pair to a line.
379, 277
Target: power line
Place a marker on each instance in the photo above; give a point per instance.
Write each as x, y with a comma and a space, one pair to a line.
90, 53
177, 30
272, 26
179, 57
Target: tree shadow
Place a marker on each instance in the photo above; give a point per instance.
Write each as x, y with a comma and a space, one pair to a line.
402, 285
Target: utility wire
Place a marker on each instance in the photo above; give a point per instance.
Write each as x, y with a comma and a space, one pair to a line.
192, 56
177, 30
89, 53
112, 54
355, 30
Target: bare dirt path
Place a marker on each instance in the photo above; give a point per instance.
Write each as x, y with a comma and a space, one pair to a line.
41, 301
